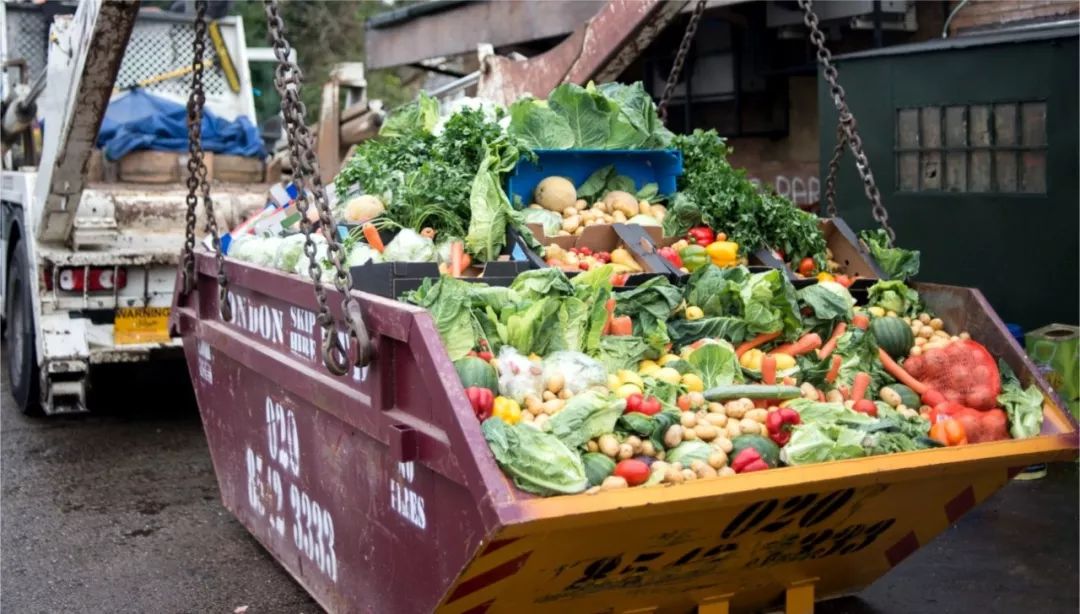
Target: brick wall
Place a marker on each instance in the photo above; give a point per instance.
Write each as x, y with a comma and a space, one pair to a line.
789, 165
978, 15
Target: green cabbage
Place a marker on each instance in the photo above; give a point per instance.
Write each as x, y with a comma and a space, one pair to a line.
538, 462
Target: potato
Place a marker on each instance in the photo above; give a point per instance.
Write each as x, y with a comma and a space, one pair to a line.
735, 409
718, 460
635, 443
590, 445
549, 395
555, 193
613, 482
622, 202
673, 476
733, 429
937, 324
689, 475
706, 431
749, 427
723, 444
688, 419
363, 208
619, 217
625, 451
725, 472
705, 472
609, 445
717, 408
757, 415
689, 435
571, 223
673, 436
647, 448
553, 406
717, 420
554, 384
834, 396
571, 211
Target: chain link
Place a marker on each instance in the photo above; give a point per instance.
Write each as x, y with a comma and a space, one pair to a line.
834, 168
197, 182
846, 120
288, 79
680, 59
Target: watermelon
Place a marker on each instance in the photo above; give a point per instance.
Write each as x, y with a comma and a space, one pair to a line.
474, 371
767, 448
892, 335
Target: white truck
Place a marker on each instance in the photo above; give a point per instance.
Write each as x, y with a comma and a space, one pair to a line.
89, 268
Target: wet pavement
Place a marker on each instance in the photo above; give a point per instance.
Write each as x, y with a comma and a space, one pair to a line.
119, 512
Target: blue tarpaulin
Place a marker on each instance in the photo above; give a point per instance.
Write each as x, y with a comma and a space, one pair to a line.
140, 120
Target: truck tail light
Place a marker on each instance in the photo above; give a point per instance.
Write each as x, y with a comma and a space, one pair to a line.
88, 279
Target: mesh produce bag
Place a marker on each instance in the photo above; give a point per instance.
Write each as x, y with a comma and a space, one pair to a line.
963, 371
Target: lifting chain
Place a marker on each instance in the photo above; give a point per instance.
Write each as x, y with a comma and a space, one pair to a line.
680, 59
305, 165
834, 168
847, 126
197, 183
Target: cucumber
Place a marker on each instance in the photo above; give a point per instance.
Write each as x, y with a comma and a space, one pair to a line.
751, 391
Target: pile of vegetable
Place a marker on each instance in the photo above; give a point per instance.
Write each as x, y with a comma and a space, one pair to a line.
613, 201
581, 388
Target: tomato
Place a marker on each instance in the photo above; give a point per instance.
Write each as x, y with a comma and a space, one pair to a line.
633, 403
844, 280
650, 406
806, 267
633, 471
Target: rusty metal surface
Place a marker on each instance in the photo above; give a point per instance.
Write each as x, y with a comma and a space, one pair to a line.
598, 50
460, 30
357, 485
101, 51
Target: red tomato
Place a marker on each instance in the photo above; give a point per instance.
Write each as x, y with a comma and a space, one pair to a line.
633, 403
633, 471
650, 406
806, 267
843, 280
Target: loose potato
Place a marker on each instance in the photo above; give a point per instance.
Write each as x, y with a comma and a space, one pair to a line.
718, 460
609, 445
613, 482
591, 445
723, 444
749, 427
706, 431
757, 415
717, 420
625, 451
622, 202
673, 436
555, 383
725, 472
688, 419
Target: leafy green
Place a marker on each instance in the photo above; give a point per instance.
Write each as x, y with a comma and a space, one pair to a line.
769, 304
538, 462
858, 352
452, 304
428, 180
621, 352
716, 290
420, 115
818, 443
825, 304
1023, 407
713, 193
606, 179
688, 452
533, 327
717, 364
611, 116
895, 262
541, 283
894, 295
586, 416
685, 332
537, 126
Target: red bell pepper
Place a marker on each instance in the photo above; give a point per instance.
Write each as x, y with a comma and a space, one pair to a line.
482, 401
642, 404
671, 256
702, 235
779, 424
748, 460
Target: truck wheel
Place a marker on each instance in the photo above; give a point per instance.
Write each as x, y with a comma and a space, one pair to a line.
21, 358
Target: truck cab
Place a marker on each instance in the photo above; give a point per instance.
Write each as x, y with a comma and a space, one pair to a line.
90, 245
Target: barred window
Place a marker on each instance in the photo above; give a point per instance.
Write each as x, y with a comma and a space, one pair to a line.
997, 148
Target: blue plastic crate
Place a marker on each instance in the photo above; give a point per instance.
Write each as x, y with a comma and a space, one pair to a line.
659, 166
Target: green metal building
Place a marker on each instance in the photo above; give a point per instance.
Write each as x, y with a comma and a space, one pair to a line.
973, 142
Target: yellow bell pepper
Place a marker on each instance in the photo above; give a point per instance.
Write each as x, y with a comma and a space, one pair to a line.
694, 313
823, 276
693, 382
783, 361
668, 376
752, 359
507, 410
723, 253
626, 390
666, 358
627, 376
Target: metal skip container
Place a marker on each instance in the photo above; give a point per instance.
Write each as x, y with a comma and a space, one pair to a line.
378, 493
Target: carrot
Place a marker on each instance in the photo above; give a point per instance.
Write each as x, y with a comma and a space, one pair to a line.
761, 339
457, 253
902, 376
622, 326
861, 321
788, 381
372, 235
806, 343
834, 369
830, 345
466, 260
859, 386
609, 306
768, 370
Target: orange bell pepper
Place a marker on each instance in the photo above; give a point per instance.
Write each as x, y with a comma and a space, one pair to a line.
949, 432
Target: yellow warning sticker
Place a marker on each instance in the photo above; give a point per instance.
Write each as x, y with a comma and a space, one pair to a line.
141, 325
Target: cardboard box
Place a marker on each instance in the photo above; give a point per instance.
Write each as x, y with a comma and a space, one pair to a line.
640, 241
847, 250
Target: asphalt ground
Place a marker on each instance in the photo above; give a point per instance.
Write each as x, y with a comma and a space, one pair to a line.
118, 511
